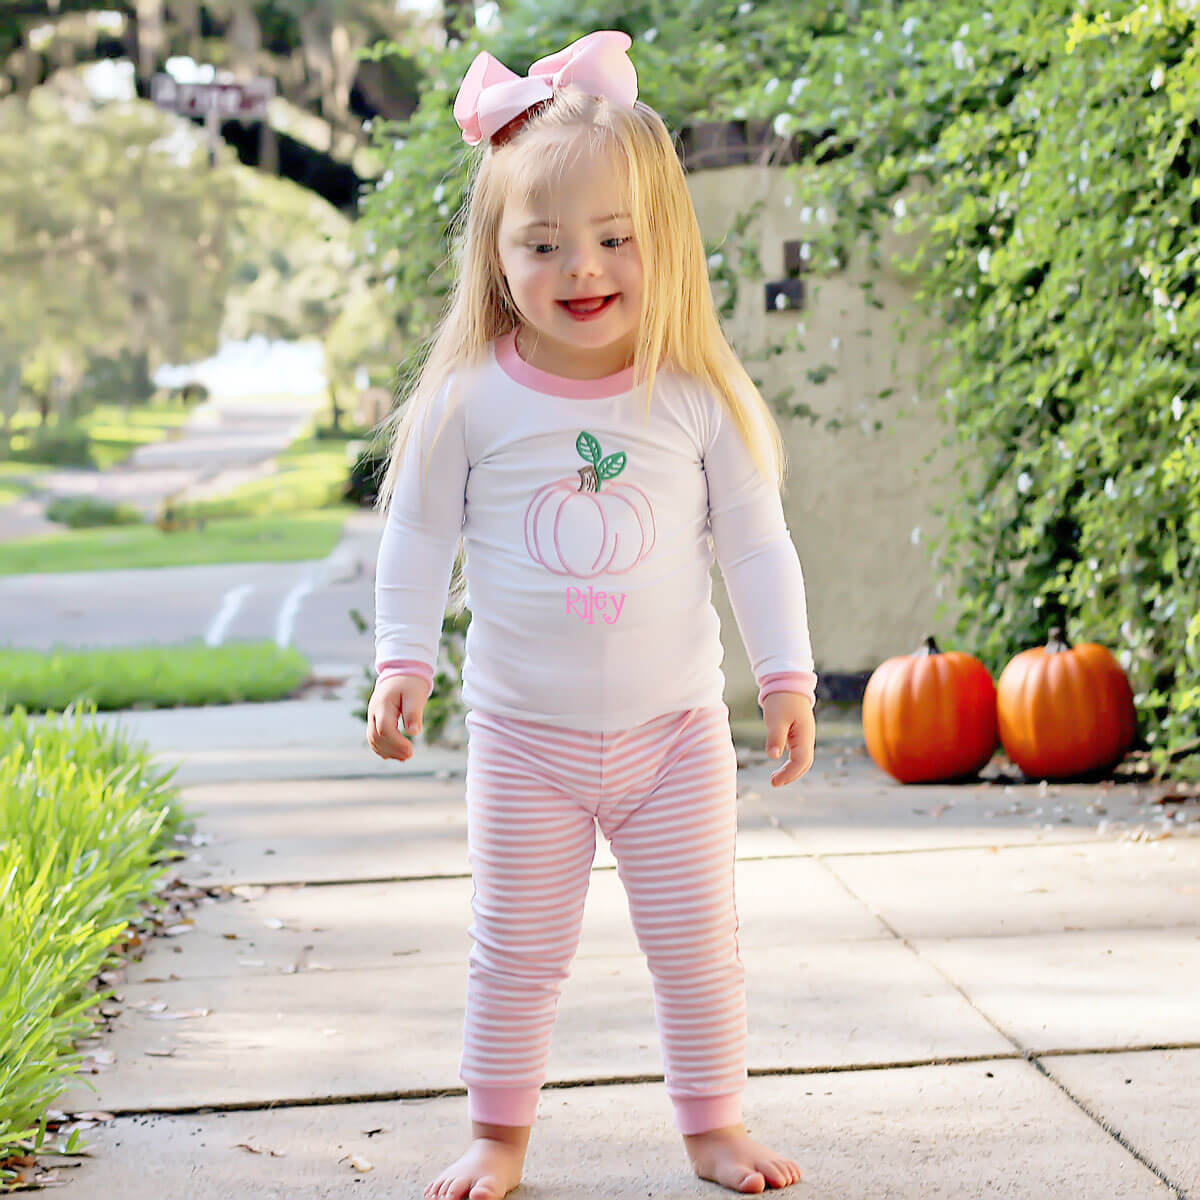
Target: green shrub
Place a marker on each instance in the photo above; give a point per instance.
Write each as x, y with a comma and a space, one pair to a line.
60, 446
366, 476
85, 819
85, 512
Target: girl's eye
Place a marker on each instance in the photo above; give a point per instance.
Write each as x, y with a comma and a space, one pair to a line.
549, 247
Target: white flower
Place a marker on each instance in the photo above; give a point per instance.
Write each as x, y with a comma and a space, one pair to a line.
649, 35
781, 301
438, 193
984, 259
899, 208
1110, 488
770, 85
715, 260
783, 125
908, 26
1156, 80
1024, 482
745, 8
1177, 408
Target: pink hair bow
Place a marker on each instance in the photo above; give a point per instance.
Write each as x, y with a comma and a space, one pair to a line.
491, 95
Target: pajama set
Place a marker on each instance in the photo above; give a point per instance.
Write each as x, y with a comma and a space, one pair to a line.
593, 683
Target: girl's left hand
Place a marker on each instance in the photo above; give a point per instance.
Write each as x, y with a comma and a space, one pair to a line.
790, 722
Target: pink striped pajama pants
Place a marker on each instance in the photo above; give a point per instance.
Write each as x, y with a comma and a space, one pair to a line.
664, 794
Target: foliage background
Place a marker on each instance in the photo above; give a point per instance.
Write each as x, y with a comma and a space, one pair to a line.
1047, 152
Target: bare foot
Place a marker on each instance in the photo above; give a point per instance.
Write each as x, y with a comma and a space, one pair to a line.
732, 1158
489, 1170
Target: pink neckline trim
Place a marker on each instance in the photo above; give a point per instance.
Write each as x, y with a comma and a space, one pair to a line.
516, 368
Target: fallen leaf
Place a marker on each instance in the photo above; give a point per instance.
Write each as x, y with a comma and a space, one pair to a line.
258, 1150
359, 1164
182, 1015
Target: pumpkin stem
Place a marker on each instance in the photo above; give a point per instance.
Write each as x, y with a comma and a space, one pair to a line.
589, 481
1057, 643
929, 647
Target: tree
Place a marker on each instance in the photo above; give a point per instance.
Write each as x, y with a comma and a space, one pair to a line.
309, 47
111, 237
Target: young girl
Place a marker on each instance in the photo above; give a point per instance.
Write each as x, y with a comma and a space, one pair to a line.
585, 429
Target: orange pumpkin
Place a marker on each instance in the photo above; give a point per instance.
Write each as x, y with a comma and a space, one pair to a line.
1065, 710
930, 716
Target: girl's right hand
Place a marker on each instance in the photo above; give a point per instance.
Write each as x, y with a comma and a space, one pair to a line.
395, 696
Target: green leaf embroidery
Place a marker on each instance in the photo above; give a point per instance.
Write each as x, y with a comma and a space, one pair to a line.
588, 447
612, 466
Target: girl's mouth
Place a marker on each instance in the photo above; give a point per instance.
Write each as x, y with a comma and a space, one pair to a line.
584, 310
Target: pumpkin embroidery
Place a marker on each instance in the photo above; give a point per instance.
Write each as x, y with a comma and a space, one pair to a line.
574, 527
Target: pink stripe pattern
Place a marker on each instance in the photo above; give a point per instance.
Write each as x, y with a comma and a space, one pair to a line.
664, 794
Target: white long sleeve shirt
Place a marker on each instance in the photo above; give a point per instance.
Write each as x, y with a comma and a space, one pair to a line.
589, 534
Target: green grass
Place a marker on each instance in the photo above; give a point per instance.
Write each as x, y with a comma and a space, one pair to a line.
247, 539
13, 476
312, 472
86, 823
113, 431
148, 676
116, 433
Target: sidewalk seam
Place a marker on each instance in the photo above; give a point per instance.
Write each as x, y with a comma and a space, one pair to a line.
1022, 1052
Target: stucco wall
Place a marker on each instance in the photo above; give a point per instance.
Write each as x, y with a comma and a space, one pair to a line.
859, 503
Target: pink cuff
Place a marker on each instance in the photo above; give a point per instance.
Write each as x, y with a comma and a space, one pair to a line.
502, 1106
699, 1114
406, 666
803, 682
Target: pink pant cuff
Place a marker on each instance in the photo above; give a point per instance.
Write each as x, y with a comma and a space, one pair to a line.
699, 1114
502, 1106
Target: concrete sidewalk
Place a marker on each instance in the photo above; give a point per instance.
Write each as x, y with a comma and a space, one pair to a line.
965, 991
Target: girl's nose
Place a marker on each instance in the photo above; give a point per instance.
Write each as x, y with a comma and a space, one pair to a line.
582, 261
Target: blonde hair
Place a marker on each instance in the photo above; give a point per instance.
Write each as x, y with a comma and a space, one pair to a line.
679, 326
